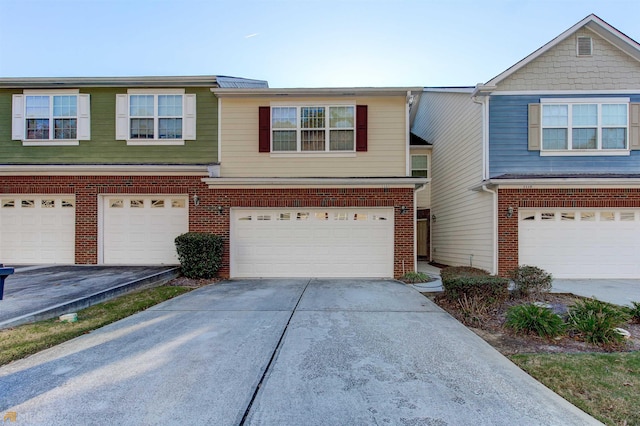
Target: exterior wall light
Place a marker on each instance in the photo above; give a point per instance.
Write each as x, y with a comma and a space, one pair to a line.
196, 200
509, 211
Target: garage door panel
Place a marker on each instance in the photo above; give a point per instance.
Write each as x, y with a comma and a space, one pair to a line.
141, 229
312, 242
37, 229
590, 244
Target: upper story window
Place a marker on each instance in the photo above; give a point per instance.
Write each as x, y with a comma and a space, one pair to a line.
51, 117
585, 125
156, 117
419, 165
313, 128
330, 130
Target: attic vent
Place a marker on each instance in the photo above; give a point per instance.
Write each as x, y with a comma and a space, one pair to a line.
584, 46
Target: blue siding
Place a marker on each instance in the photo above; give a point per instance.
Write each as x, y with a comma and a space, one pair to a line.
508, 153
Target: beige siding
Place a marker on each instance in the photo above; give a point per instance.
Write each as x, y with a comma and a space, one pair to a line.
462, 233
423, 198
386, 154
561, 69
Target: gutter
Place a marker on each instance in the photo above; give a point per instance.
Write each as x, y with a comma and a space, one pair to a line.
398, 182
109, 170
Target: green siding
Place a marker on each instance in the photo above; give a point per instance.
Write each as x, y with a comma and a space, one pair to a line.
103, 148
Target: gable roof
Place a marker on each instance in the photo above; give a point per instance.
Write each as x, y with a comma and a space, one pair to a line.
592, 23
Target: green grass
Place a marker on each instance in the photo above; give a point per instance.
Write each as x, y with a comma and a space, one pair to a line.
607, 386
24, 340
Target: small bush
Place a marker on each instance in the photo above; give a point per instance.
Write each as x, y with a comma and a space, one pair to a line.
531, 318
415, 277
200, 254
530, 280
634, 311
597, 321
473, 309
474, 283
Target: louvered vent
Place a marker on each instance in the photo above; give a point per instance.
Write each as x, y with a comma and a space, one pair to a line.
584, 46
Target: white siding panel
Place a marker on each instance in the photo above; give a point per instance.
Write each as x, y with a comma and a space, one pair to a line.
462, 233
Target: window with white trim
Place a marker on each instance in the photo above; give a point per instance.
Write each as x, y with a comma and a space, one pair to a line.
313, 128
160, 117
419, 165
585, 125
56, 117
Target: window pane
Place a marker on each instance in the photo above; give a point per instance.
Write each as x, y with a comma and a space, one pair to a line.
169, 128
555, 115
37, 129
283, 118
142, 128
37, 107
284, 140
585, 115
313, 140
614, 138
341, 140
170, 105
312, 117
614, 115
65, 106
341, 117
418, 161
584, 139
419, 173
554, 138
141, 105
64, 128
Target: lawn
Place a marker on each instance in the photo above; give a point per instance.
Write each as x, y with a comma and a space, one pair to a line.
607, 386
24, 340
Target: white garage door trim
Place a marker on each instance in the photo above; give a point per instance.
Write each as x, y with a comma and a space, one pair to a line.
581, 243
148, 225
37, 229
312, 242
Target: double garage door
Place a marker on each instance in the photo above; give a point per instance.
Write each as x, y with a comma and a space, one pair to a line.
134, 229
584, 243
308, 242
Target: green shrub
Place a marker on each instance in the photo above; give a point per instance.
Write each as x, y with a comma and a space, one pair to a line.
634, 311
415, 277
597, 321
531, 318
474, 310
529, 280
474, 283
200, 254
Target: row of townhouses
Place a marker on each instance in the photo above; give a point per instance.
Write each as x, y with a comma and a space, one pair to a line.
539, 165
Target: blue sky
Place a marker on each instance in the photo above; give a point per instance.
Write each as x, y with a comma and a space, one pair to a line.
291, 43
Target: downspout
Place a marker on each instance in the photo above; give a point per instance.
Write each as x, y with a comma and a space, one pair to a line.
494, 241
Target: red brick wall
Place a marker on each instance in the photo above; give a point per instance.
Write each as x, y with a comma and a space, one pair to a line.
205, 217
552, 198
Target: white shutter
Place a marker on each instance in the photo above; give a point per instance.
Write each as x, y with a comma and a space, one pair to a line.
189, 121
84, 117
17, 124
122, 117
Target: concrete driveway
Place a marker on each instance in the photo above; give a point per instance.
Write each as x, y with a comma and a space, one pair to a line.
282, 352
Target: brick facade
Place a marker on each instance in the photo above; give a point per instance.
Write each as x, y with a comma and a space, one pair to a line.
205, 216
550, 198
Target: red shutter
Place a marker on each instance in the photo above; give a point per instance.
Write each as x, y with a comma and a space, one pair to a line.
361, 127
264, 129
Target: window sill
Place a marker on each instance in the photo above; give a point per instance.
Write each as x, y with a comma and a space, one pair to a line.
154, 142
593, 153
60, 142
313, 154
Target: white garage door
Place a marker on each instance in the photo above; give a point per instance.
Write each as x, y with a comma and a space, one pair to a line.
312, 243
37, 229
141, 229
581, 243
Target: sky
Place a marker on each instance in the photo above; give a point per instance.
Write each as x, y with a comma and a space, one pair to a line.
291, 43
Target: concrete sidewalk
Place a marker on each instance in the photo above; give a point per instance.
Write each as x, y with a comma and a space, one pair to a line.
617, 291
282, 352
37, 293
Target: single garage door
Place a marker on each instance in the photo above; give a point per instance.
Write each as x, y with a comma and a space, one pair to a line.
581, 243
37, 229
141, 229
312, 243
